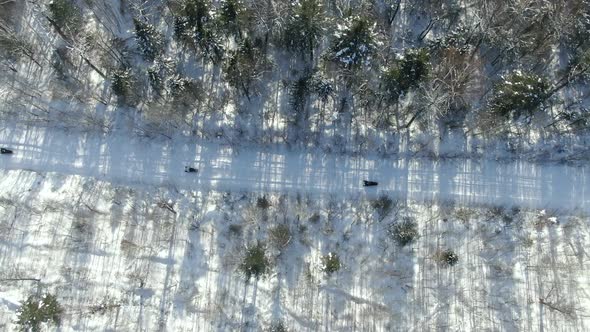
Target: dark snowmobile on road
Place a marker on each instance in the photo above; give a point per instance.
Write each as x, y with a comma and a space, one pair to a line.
189, 169
5, 151
370, 183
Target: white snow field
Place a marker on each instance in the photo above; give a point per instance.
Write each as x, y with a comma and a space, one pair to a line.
123, 159
127, 241
123, 258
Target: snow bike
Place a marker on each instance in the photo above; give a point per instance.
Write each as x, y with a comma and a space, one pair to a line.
189, 169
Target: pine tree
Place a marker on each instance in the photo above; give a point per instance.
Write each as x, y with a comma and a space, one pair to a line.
195, 28
406, 73
36, 311
149, 39
233, 16
404, 232
299, 93
245, 66
121, 83
354, 43
519, 95
66, 15
184, 91
13, 47
255, 264
304, 28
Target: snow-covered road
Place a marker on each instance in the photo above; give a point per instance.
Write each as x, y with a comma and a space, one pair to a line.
132, 161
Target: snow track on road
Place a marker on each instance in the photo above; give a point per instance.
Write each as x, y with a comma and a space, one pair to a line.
130, 160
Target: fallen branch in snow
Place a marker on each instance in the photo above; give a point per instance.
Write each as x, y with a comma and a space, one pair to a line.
21, 279
565, 308
567, 311
103, 308
93, 209
355, 299
167, 206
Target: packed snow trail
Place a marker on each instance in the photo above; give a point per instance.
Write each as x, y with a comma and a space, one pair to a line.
139, 161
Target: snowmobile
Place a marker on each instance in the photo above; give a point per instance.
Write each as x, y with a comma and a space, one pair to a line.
189, 169
5, 151
370, 183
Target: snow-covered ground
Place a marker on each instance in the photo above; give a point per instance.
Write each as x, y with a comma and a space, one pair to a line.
125, 159
113, 226
129, 258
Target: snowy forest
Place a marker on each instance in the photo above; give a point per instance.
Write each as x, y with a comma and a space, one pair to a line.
473, 115
437, 78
